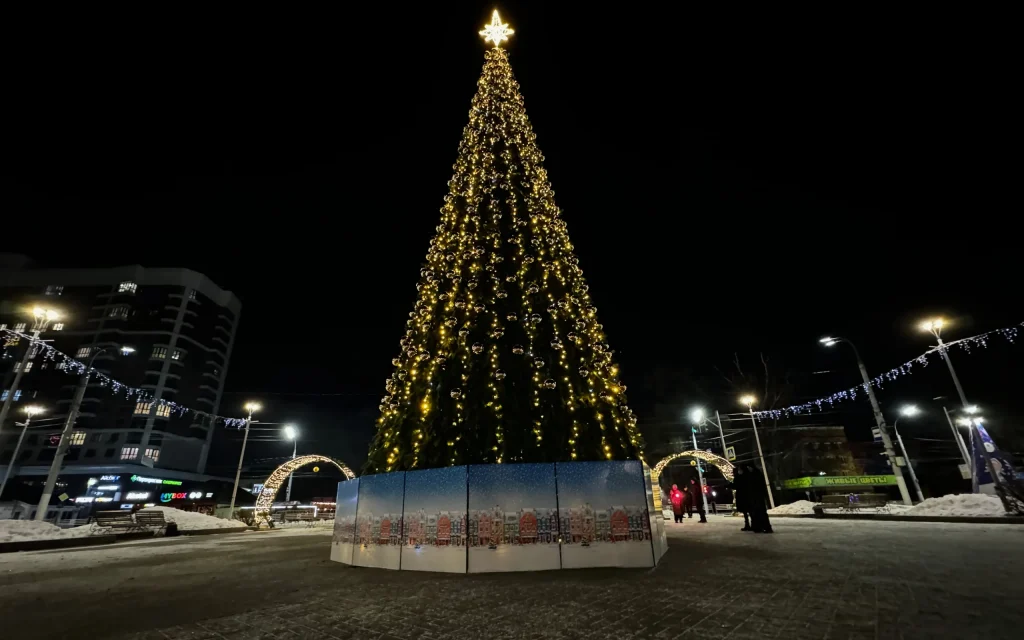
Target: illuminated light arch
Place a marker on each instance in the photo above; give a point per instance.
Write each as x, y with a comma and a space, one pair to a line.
280, 475
723, 465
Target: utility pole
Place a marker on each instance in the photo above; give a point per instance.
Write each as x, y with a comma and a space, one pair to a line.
31, 411
291, 433
890, 452
700, 471
749, 401
251, 407
65, 435
957, 438
721, 436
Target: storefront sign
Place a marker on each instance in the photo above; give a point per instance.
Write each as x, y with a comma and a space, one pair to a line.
839, 481
137, 495
107, 487
167, 497
147, 480
109, 478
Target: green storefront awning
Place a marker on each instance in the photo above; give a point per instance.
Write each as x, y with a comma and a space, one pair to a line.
838, 481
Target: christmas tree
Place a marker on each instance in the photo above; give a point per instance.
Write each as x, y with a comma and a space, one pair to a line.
503, 359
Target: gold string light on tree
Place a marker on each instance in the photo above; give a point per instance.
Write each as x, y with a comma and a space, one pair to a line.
503, 359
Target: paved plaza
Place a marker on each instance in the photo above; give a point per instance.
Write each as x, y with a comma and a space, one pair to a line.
811, 579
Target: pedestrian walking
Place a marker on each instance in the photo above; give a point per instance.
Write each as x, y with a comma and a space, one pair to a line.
688, 501
759, 521
698, 498
711, 502
676, 497
741, 493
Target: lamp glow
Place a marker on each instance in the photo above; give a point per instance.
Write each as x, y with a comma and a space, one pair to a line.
748, 400
933, 325
697, 415
253, 407
290, 432
972, 409
33, 409
909, 410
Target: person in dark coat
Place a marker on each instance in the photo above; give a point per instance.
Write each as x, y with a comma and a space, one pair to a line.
698, 499
759, 521
676, 497
741, 493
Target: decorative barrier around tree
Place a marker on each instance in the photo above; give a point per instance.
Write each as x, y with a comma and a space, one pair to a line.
500, 517
270, 486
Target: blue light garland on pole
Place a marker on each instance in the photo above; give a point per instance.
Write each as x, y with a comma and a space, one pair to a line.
1010, 333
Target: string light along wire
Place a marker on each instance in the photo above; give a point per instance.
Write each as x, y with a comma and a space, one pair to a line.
71, 366
981, 340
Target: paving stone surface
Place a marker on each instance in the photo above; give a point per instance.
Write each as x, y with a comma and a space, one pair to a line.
811, 579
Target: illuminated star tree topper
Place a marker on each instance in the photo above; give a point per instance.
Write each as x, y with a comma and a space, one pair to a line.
496, 32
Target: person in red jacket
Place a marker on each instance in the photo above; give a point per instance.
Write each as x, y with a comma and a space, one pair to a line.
676, 497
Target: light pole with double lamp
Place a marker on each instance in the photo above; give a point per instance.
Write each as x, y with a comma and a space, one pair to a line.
908, 411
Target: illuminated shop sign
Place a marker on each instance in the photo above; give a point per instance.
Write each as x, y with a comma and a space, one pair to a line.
137, 495
81, 499
167, 497
146, 480
104, 499
109, 478
107, 487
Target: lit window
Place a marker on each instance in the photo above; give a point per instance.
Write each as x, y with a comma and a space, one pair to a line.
192, 294
54, 289
19, 327
17, 395
59, 326
159, 352
142, 408
120, 311
127, 287
153, 454
176, 355
163, 411
77, 438
83, 352
129, 453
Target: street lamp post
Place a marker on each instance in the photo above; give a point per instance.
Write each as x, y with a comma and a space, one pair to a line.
65, 436
749, 401
908, 412
30, 411
890, 453
42, 319
935, 328
251, 407
697, 416
292, 434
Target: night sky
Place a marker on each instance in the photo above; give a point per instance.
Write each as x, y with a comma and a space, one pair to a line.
734, 183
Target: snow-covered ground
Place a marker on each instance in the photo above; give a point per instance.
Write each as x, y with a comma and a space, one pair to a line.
23, 530
951, 506
959, 506
192, 521
323, 526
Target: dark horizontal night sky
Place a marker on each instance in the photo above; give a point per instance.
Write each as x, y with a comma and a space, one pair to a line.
733, 183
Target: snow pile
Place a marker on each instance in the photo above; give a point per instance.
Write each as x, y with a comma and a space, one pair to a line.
959, 506
25, 530
316, 524
192, 521
800, 507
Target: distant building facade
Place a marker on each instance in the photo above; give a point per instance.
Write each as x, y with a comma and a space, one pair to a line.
182, 328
